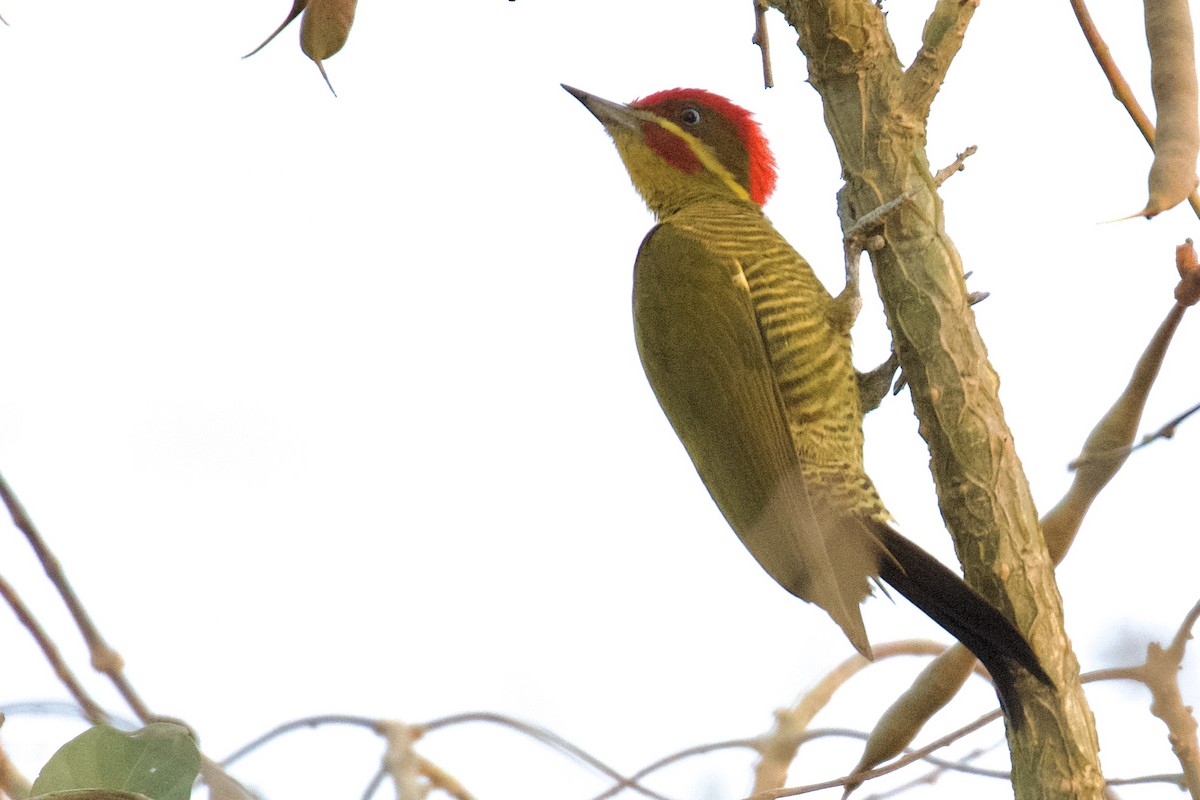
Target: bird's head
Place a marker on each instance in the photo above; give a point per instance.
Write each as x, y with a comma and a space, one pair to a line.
685, 145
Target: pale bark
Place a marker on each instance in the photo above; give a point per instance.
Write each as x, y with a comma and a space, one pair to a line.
876, 111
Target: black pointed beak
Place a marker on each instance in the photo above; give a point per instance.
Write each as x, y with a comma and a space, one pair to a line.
606, 111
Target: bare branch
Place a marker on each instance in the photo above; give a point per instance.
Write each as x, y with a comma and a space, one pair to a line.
872, 218
944, 174
1175, 779
780, 745
1167, 431
545, 737
940, 42
666, 761
936, 686
870, 106
91, 710
1120, 87
763, 41
862, 777
1162, 678
105, 659
296, 724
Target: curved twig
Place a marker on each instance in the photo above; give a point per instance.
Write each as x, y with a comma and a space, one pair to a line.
315, 721
545, 737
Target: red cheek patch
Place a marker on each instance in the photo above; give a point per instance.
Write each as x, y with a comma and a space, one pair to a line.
670, 148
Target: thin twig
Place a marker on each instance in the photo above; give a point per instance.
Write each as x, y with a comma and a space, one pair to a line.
900, 763
944, 174
1184, 634
1167, 431
807, 736
60, 708
1165, 777
542, 735
105, 659
872, 218
1134, 673
1120, 87
857, 239
374, 725
780, 745
928, 779
92, 711
665, 761
374, 784
763, 41
962, 766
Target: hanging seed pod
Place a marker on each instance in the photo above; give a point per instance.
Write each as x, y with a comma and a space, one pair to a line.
936, 686
297, 7
1173, 80
324, 30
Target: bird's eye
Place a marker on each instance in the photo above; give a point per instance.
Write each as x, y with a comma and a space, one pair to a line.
690, 116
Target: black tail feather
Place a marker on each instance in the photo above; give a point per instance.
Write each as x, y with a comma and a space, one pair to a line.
958, 608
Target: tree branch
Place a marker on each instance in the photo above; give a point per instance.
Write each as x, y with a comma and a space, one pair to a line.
763, 41
984, 496
940, 42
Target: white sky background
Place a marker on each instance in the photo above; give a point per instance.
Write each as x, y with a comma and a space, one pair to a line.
332, 405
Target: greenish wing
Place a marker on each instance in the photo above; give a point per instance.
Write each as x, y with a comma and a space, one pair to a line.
703, 352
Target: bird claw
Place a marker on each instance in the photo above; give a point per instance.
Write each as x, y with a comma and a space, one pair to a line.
874, 385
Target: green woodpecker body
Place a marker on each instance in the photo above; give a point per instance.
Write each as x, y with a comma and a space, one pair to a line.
734, 333
750, 358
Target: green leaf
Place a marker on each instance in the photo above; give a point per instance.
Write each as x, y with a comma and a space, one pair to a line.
160, 761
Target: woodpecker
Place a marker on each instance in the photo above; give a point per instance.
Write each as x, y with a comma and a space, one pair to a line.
749, 357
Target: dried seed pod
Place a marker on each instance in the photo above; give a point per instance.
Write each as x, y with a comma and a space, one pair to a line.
297, 7
936, 686
1173, 79
324, 30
